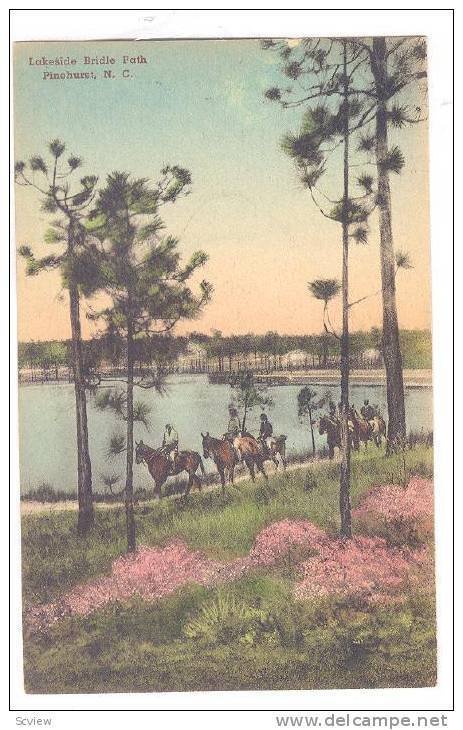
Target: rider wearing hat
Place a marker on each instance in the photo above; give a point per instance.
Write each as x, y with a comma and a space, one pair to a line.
170, 444
234, 424
367, 411
234, 430
265, 432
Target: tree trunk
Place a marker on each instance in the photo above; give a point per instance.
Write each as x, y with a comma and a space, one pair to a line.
130, 518
243, 424
390, 342
344, 486
325, 353
311, 431
86, 516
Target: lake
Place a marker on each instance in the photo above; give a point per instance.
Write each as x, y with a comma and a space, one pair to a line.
47, 425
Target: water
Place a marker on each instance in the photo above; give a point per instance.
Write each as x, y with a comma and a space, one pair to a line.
47, 425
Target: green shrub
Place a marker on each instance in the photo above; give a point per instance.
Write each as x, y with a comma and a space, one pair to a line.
226, 619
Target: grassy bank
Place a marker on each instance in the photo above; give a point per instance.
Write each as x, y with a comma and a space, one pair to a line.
250, 634
54, 558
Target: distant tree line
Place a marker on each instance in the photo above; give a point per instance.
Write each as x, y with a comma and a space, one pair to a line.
51, 360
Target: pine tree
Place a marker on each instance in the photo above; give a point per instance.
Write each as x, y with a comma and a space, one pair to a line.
326, 69
142, 272
76, 262
388, 80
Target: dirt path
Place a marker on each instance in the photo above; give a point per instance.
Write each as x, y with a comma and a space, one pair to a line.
29, 507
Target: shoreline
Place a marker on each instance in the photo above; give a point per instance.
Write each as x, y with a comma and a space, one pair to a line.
32, 507
418, 378
413, 378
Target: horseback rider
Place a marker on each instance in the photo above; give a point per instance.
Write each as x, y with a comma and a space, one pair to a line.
367, 411
265, 433
234, 424
334, 414
233, 432
170, 444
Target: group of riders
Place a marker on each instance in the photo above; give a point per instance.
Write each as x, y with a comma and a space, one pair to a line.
369, 416
368, 425
238, 445
368, 413
233, 433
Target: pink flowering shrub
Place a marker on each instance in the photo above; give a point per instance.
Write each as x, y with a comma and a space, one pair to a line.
152, 573
404, 516
369, 568
364, 567
274, 541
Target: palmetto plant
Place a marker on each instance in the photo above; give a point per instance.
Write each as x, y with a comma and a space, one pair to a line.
228, 618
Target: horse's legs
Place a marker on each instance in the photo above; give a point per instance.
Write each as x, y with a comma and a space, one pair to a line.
330, 451
250, 466
188, 486
222, 479
232, 474
260, 467
275, 461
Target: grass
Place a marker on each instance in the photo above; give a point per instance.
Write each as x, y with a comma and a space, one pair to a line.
271, 642
250, 634
55, 558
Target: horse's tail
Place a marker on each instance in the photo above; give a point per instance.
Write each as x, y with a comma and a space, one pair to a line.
201, 465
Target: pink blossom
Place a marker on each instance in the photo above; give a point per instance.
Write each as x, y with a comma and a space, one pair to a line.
396, 503
275, 541
364, 566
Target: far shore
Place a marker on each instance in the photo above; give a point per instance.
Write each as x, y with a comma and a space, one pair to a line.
419, 378
412, 378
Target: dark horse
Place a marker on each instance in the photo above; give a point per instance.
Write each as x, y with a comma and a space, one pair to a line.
277, 448
333, 434
223, 454
160, 467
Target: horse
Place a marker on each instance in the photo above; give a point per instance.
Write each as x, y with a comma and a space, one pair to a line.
333, 434
160, 466
224, 456
378, 430
361, 429
277, 448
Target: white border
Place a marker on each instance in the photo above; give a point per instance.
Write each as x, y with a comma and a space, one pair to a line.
437, 25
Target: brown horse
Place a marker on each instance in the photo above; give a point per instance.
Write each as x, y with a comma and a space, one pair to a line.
224, 456
361, 429
160, 467
378, 430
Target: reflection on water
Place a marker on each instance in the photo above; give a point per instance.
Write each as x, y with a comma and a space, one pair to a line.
47, 425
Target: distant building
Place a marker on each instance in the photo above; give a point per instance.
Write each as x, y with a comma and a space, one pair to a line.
295, 359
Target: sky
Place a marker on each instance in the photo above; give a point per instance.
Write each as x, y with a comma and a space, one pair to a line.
200, 104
